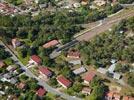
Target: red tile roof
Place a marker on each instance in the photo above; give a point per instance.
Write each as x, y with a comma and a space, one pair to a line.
36, 58
116, 95
51, 44
64, 81
89, 76
131, 98
125, 98
21, 85
109, 94
41, 91
74, 54
45, 71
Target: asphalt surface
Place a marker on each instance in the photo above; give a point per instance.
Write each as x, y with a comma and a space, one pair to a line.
40, 81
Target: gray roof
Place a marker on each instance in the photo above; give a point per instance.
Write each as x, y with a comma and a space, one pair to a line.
111, 68
75, 62
79, 70
43, 5
117, 76
13, 80
102, 70
11, 68
7, 75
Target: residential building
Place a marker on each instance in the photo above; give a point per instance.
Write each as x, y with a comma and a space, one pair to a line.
2, 64
45, 72
109, 95
45, 5
7, 76
84, 2
75, 61
36, 60
16, 42
125, 98
116, 96
51, 44
11, 68
117, 76
131, 98
79, 70
64, 81
86, 91
40, 92
102, 70
13, 80
21, 85
100, 2
73, 54
89, 77
76, 5
112, 68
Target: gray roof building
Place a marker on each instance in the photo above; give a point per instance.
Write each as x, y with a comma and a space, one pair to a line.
117, 76
102, 70
79, 70
13, 80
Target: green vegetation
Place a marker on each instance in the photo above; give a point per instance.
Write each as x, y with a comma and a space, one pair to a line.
99, 89
15, 2
9, 61
126, 1
131, 79
122, 68
110, 45
3, 54
53, 82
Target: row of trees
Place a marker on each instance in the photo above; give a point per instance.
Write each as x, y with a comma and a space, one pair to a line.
125, 1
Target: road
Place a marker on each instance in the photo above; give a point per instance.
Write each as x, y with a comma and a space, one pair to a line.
40, 81
93, 31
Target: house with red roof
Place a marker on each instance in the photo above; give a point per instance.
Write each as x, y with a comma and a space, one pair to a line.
125, 98
64, 82
131, 98
45, 72
36, 60
73, 54
116, 96
89, 77
109, 95
51, 44
21, 85
40, 92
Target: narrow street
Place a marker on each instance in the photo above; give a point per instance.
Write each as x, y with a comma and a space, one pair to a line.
40, 81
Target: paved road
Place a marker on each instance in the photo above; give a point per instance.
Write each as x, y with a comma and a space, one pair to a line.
40, 81
89, 33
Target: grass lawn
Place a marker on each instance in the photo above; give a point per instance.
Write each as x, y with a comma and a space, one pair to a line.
24, 60
52, 96
34, 70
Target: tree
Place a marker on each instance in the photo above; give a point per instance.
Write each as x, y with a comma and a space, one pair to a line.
77, 87
98, 89
23, 77
3, 54
125, 1
131, 79
53, 82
